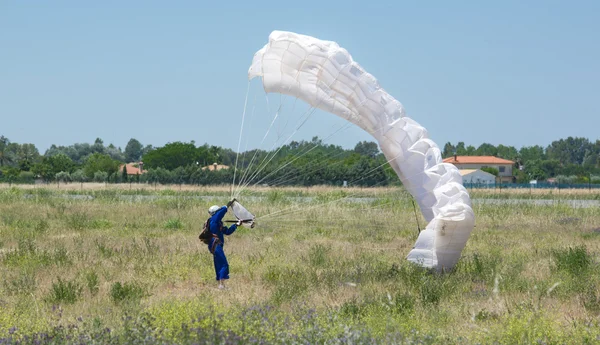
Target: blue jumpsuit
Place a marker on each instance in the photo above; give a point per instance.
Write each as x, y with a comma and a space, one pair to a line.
217, 228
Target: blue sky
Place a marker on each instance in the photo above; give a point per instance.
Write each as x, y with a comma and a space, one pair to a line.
517, 73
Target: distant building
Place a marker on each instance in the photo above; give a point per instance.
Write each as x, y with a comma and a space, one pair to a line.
133, 168
215, 167
476, 176
504, 166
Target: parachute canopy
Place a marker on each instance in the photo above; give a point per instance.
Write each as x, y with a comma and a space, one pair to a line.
241, 213
323, 74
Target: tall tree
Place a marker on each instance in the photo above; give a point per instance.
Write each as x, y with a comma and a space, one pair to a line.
570, 150
449, 150
27, 155
133, 150
460, 149
6, 157
173, 155
367, 148
486, 149
99, 162
507, 152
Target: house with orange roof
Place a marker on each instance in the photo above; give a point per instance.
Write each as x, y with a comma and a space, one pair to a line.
504, 166
133, 168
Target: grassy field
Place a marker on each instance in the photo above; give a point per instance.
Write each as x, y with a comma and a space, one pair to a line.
122, 264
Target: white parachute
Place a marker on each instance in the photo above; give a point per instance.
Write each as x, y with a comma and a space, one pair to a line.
241, 213
323, 74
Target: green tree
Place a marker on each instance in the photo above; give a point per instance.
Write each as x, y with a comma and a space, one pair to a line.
491, 170
460, 149
449, 150
6, 157
529, 153
27, 155
486, 149
59, 162
173, 155
100, 162
507, 152
79, 176
367, 148
133, 150
63, 176
124, 175
570, 150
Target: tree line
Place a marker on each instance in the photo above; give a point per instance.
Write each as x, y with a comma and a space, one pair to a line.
570, 160
300, 163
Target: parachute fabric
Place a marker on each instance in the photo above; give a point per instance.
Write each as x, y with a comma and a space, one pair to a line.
323, 74
241, 213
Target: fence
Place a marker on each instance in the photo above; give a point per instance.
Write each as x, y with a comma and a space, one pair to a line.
539, 185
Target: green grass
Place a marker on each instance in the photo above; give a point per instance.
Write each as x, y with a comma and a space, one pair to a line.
320, 270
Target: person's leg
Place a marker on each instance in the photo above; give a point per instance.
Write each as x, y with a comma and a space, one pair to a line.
221, 265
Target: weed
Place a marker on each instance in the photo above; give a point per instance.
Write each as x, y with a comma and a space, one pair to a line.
93, 282
41, 226
24, 283
590, 299
61, 256
64, 291
318, 255
77, 221
573, 260
126, 292
174, 224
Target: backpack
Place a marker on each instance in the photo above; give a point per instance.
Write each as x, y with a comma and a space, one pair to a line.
205, 234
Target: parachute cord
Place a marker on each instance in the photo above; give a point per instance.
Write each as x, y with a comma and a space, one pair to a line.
240, 138
416, 217
301, 155
291, 210
250, 175
368, 174
256, 152
264, 165
247, 138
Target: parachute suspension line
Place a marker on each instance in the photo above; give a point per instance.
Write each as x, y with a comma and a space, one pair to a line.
303, 122
247, 138
416, 217
368, 174
302, 154
264, 164
286, 177
262, 141
240, 138
295, 209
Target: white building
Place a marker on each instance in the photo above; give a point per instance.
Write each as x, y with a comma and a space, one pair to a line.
504, 166
476, 176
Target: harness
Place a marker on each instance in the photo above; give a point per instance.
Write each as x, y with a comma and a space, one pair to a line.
206, 235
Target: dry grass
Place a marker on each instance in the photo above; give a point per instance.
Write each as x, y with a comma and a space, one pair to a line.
337, 257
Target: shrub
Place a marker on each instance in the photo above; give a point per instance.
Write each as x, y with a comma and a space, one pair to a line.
574, 261
126, 292
64, 291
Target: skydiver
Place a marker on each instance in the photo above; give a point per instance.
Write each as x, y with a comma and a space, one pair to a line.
212, 235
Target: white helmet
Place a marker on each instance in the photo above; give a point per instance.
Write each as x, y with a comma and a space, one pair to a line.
213, 209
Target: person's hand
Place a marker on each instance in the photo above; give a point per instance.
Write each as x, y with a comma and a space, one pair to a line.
238, 223
231, 202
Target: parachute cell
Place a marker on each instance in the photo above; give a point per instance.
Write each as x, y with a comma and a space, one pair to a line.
324, 75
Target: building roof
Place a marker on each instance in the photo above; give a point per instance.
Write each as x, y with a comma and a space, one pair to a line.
215, 166
132, 169
465, 172
477, 160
